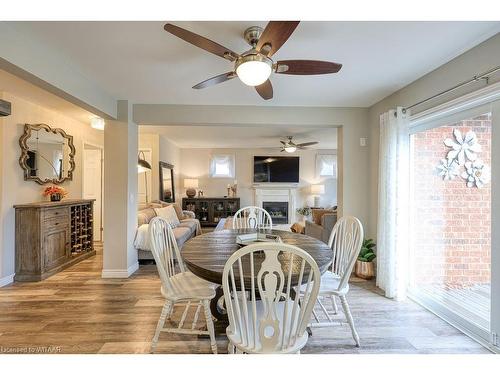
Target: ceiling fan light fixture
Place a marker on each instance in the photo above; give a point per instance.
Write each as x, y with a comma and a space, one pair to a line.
254, 70
290, 148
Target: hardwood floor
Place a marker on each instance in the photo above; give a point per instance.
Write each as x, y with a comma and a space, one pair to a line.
76, 311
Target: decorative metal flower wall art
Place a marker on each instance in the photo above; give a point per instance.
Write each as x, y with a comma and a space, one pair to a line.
463, 152
448, 169
476, 173
463, 147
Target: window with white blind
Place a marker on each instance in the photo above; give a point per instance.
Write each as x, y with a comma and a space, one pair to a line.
222, 166
326, 166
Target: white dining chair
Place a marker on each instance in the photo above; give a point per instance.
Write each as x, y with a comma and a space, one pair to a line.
179, 286
252, 217
277, 321
345, 241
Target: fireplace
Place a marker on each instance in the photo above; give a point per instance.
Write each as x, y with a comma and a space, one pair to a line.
277, 210
278, 199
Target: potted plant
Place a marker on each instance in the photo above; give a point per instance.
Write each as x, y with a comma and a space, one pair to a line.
56, 193
364, 264
304, 211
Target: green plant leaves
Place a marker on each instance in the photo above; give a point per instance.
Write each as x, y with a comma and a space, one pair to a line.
367, 253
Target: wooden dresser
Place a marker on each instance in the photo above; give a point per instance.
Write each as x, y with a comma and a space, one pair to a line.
51, 236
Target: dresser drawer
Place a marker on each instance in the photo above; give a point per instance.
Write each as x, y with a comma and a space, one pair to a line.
55, 213
56, 223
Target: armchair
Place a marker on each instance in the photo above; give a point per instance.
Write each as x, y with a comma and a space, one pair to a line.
322, 224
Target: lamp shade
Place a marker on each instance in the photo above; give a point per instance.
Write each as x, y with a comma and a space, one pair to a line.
142, 164
191, 183
317, 189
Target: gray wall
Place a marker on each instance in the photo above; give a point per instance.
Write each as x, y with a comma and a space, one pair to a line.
477, 60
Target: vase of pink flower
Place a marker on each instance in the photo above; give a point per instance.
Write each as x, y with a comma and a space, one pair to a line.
56, 193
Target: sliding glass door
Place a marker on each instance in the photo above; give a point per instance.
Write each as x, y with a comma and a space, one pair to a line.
450, 218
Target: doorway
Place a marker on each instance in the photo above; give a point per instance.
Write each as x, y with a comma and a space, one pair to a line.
93, 163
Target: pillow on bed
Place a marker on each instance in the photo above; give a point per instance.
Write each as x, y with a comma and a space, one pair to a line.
169, 214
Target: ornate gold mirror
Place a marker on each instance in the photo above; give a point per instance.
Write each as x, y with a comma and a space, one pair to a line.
47, 154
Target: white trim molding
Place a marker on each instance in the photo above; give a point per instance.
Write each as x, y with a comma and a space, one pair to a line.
4, 281
476, 98
120, 273
464, 325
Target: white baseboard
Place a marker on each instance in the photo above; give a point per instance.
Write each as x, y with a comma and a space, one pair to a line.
134, 267
7, 280
119, 273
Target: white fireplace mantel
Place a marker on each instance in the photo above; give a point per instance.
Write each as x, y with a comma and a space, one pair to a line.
277, 193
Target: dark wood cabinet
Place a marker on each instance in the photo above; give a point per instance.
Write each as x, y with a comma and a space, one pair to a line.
51, 236
210, 210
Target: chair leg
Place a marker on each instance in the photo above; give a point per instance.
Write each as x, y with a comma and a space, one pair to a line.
167, 308
334, 304
210, 325
348, 315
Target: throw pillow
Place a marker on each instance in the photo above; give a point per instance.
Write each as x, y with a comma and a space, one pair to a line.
169, 214
178, 211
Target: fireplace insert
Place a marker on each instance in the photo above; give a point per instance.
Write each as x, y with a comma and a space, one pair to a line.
277, 210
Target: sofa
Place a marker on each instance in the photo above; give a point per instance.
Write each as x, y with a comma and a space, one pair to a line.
188, 228
323, 221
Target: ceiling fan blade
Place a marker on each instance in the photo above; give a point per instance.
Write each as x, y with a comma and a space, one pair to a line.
215, 80
275, 35
282, 150
201, 42
306, 67
265, 90
283, 143
306, 144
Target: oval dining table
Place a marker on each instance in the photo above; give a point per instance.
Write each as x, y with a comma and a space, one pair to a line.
206, 255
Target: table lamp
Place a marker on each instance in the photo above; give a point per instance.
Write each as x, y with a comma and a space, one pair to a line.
316, 191
191, 184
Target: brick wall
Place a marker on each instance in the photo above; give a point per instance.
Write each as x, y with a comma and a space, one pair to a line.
451, 222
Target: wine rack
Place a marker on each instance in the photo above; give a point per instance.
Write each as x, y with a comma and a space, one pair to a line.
51, 236
82, 226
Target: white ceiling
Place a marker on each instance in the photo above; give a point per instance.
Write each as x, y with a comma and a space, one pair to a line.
141, 62
225, 136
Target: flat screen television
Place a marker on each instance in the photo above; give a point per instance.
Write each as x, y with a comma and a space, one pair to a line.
275, 169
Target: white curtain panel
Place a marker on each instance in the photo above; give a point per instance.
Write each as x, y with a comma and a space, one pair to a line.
393, 198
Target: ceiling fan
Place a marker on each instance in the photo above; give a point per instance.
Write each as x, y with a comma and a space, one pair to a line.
254, 67
290, 146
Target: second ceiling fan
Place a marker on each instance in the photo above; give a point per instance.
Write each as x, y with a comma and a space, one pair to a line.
255, 66
290, 146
